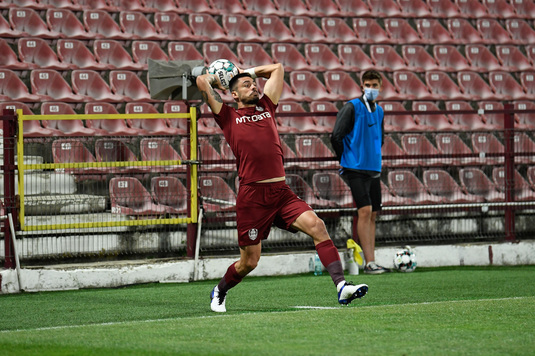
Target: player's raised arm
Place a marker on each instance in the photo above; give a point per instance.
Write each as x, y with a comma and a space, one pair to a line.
206, 84
275, 75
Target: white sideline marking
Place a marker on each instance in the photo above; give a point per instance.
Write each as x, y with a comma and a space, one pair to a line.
299, 308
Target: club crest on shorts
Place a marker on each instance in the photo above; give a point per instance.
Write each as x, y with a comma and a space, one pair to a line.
253, 234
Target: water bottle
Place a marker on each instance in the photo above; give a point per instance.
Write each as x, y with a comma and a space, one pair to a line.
317, 265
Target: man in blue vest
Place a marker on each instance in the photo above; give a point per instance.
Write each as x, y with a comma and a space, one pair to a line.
357, 139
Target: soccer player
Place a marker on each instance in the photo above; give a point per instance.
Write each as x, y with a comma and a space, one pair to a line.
264, 198
357, 139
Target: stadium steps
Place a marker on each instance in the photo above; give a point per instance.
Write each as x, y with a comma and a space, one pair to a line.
52, 205
44, 183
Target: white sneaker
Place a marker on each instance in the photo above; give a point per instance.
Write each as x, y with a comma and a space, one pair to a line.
348, 291
218, 301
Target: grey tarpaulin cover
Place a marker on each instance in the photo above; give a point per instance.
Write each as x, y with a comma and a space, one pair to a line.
166, 78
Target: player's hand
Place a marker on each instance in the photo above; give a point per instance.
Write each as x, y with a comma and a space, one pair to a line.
216, 84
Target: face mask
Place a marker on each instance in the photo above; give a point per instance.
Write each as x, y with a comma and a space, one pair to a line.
371, 94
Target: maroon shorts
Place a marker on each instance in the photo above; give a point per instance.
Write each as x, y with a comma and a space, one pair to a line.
260, 205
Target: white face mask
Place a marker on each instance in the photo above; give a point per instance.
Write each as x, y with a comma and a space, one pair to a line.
371, 94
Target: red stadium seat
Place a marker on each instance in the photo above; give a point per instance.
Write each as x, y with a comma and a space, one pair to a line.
524, 144
295, 7
101, 23
216, 195
418, 59
291, 162
32, 4
226, 151
128, 85
215, 50
12, 88
521, 190
386, 58
354, 58
273, 28
400, 31
354, 8
481, 58
37, 51
149, 126
7, 31
418, 144
208, 126
114, 150
238, 25
98, 5
113, 53
327, 121
337, 30
143, 50
431, 31
475, 181
325, 8
450, 59
474, 85
331, 187
444, 9
262, 7
163, 6
287, 92
177, 107
305, 29
321, 56
128, 196
29, 23
441, 183
31, 128
173, 26
64, 21
206, 28
75, 53
474, 122
291, 58
207, 152
50, 85
493, 32
401, 122
521, 31
439, 122
389, 198
531, 176
496, 120
306, 83
295, 124
525, 120
369, 31
392, 154
170, 193
512, 58
252, 55
341, 83
524, 8
485, 143
10, 60
198, 6
115, 127
452, 144
443, 86
404, 183
230, 7
136, 25
499, 8
463, 32
385, 8
159, 149
309, 147
527, 79
472, 9
505, 85
389, 91
305, 192
67, 127
414, 8
183, 51
72, 150
412, 87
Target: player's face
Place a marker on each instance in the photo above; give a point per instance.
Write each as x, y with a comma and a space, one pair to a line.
246, 92
371, 84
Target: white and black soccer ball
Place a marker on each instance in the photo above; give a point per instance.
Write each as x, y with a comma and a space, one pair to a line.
405, 260
224, 69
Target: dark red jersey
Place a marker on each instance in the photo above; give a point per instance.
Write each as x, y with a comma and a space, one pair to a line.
252, 135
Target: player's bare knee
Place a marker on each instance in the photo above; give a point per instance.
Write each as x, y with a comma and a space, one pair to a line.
318, 230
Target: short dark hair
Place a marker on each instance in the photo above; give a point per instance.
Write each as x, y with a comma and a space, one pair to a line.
233, 82
372, 75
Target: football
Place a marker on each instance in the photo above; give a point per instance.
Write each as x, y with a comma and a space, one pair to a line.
405, 260
224, 69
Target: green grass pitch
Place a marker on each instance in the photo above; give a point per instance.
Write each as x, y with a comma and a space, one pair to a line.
433, 311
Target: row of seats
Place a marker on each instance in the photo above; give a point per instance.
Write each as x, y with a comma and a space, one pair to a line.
303, 86
132, 25
32, 53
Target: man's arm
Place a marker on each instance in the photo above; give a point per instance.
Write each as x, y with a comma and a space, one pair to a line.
206, 84
275, 75
345, 120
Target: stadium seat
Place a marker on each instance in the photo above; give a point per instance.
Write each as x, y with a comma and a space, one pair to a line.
226, 151
487, 143
463, 32
475, 181
136, 25
527, 79
198, 6
525, 120
330, 186
29, 24
159, 149
263, 7
216, 195
341, 83
163, 6
506, 86
531, 176
444, 9
90, 83
291, 162
414, 8
512, 58
177, 107
75, 53
492, 32
321, 56
390, 92
128, 196
306, 83
473, 85
70, 150
273, 28
452, 144
441, 183
64, 21
129, 5
496, 120
206, 28
481, 58
326, 121
412, 87
450, 59
521, 31
353, 58
173, 26
12, 88
521, 191
524, 8
143, 50
115, 127
208, 126
338, 31
305, 192
418, 59
170, 193
442, 86
10, 60
51, 86
291, 58
37, 51
369, 31
523, 144
432, 32
404, 183
295, 8
400, 31
385, 8
113, 53
128, 85
392, 154
474, 121
304, 29
295, 124
386, 58
157, 127
325, 8
401, 122
183, 51
207, 152
103, 25
501, 9
7, 31
252, 55
472, 9
67, 127
98, 5
388, 197
216, 50
32, 4
288, 93
230, 7
238, 25
439, 122
309, 147
31, 128
115, 150
354, 8
418, 144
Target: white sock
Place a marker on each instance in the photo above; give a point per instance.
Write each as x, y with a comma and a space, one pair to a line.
340, 285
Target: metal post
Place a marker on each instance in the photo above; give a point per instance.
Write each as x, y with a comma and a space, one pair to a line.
9, 120
191, 232
508, 124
